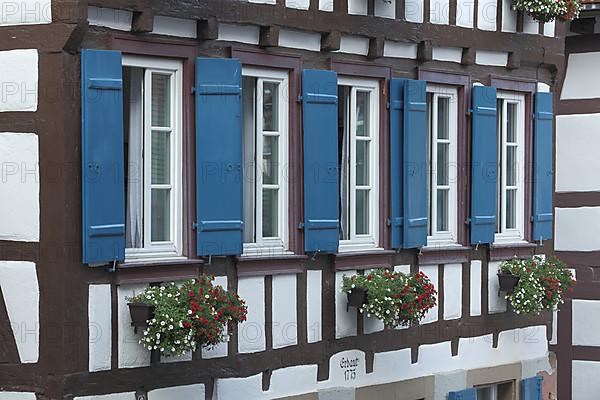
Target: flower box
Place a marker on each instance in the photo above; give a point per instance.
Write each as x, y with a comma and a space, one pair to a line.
357, 297
508, 282
140, 314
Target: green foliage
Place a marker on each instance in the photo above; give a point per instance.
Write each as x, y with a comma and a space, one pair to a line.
396, 299
549, 10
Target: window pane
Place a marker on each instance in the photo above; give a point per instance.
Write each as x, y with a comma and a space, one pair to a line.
270, 160
161, 158
362, 162
443, 118
161, 100
511, 210
362, 113
511, 165
443, 150
442, 210
270, 217
484, 393
161, 215
362, 212
511, 117
270, 106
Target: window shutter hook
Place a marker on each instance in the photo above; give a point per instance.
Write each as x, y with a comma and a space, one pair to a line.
113, 267
477, 246
209, 259
314, 257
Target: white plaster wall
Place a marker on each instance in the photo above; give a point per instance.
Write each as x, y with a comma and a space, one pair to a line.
326, 5
357, 7
586, 384
439, 12
292, 381
580, 66
175, 27
452, 291
337, 373
220, 350
314, 308
251, 334
492, 58
450, 54
372, 324
178, 392
530, 25
465, 13
345, 321
354, 45
447, 382
486, 15
299, 4
239, 33
285, 317
509, 17
300, 40
239, 388
19, 187
399, 50
577, 229
112, 396
496, 302
17, 396
432, 272
405, 269
549, 28
25, 12
414, 10
110, 18
554, 338
385, 9
543, 87
586, 330
100, 323
131, 353
475, 278
577, 161
19, 80
20, 288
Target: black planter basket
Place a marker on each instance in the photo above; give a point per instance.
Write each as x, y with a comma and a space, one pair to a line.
508, 282
357, 297
140, 314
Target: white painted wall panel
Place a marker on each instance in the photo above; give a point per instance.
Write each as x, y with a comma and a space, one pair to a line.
405, 269
285, 317
20, 288
465, 13
19, 72
112, 396
577, 229
300, 40
577, 161
530, 25
345, 320
399, 50
131, 353
475, 278
509, 17
326, 5
175, 27
239, 388
496, 301
549, 28
452, 291
17, 396
100, 327
586, 384
298, 4
492, 58
357, 7
220, 350
414, 10
286, 382
372, 324
439, 11
314, 308
385, 9
580, 66
354, 45
450, 54
432, 272
25, 12
586, 325
262, 1
19, 187
177, 392
251, 334
239, 33
110, 18
486, 15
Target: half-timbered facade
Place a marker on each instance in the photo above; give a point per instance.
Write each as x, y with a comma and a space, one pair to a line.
278, 145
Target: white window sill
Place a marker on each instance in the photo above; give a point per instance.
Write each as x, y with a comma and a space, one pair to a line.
256, 250
503, 240
435, 243
136, 256
347, 246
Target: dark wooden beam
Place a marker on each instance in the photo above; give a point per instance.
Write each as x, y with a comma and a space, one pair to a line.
376, 46
143, 21
269, 36
208, 29
468, 56
425, 51
330, 41
514, 60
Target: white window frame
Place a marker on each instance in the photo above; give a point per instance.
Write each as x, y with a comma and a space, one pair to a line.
370, 241
517, 234
280, 244
494, 389
449, 237
172, 249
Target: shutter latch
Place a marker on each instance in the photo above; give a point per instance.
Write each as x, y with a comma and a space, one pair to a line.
194, 226
301, 226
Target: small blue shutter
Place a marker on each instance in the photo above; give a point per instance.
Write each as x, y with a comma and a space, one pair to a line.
531, 388
103, 185
321, 179
415, 183
219, 180
542, 194
467, 394
396, 128
484, 165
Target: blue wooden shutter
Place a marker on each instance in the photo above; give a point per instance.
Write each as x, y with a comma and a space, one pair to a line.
396, 128
321, 179
219, 180
103, 185
484, 145
467, 394
542, 194
416, 209
531, 388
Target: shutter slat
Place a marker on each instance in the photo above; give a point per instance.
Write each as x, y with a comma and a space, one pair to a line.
219, 180
103, 183
321, 175
531, 388
467, 394
414, 165
543, 170
396, 129
484, 165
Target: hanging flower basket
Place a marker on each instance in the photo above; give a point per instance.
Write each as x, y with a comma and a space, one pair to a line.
357, 297
140, 313
549, 10
508, 282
